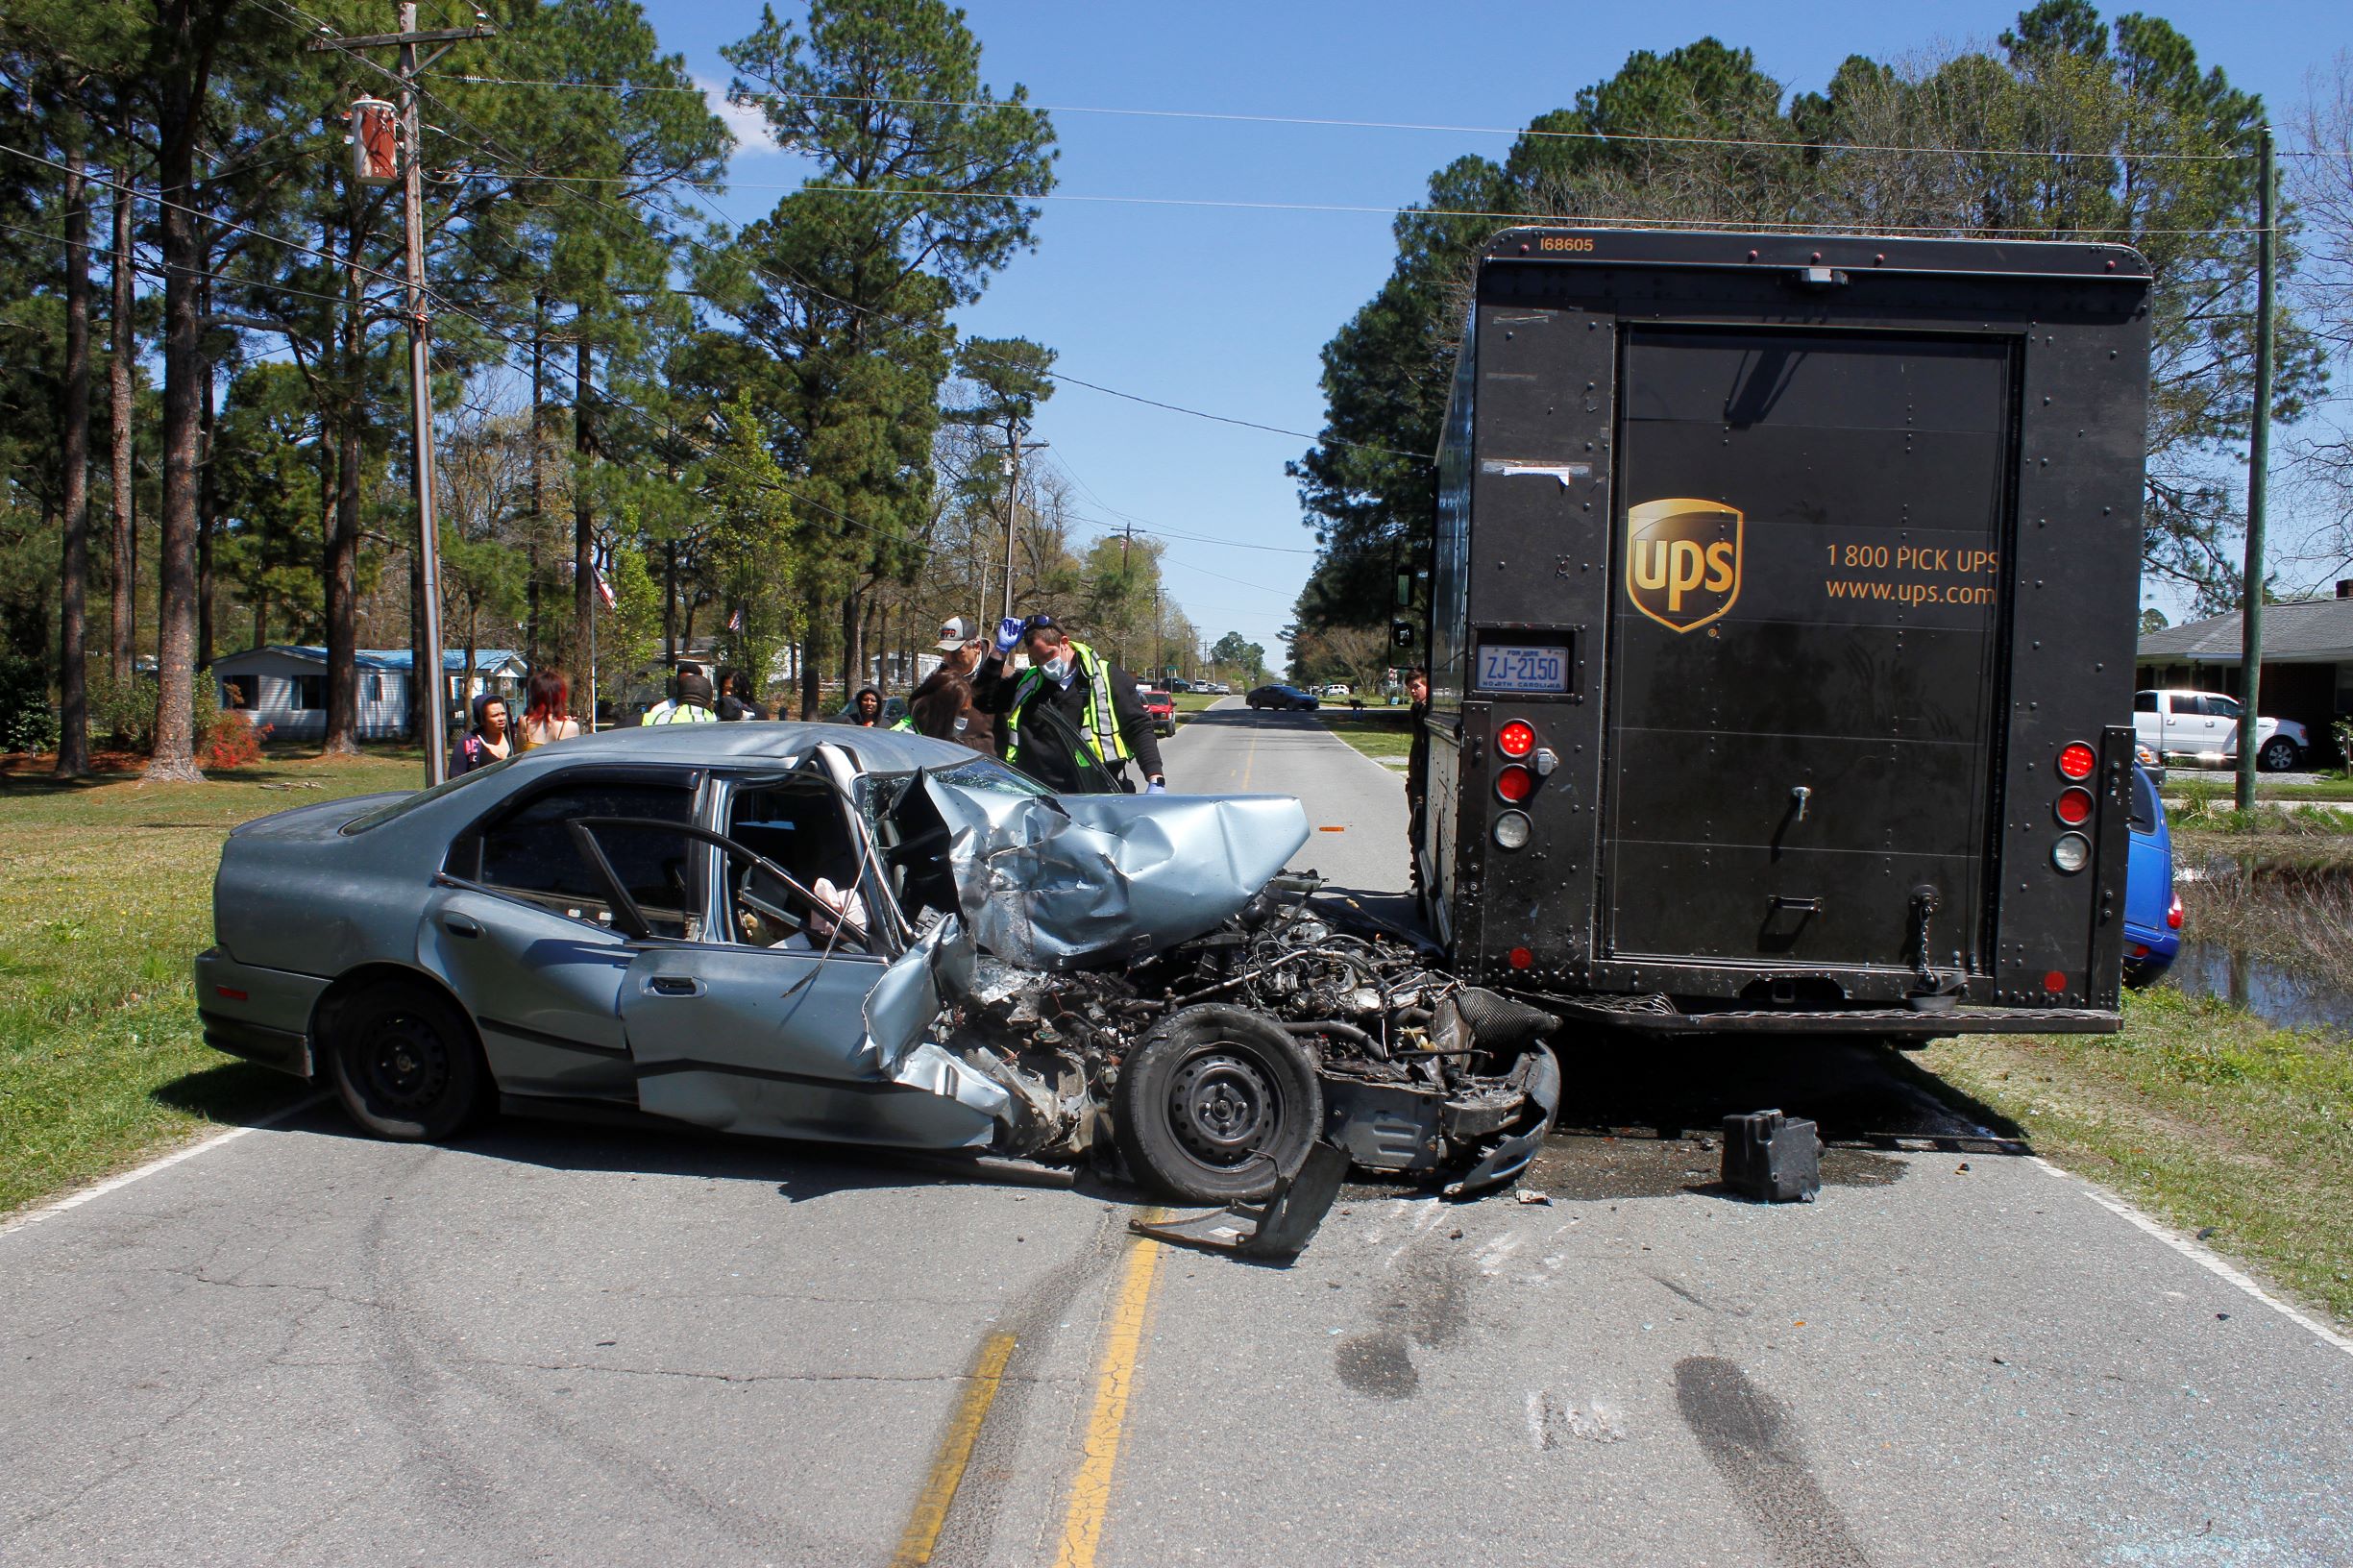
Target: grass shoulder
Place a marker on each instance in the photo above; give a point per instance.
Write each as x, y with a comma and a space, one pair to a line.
1379, 733
2201, 1113
106, 896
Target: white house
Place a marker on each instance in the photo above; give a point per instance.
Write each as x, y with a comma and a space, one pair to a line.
285, 687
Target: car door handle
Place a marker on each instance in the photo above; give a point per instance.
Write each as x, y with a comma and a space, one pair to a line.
461, 925
673, 985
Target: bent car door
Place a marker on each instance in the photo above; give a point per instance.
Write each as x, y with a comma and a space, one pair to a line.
814, 1036
754, 1040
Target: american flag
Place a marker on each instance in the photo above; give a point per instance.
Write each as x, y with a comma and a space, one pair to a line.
735, 621
605, 590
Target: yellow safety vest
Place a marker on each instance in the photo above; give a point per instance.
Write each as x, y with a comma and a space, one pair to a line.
1100, 729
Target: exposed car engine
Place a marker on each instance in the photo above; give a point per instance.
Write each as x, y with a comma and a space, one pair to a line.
1217, 1063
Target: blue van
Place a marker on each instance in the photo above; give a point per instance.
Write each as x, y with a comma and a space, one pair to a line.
2152, 909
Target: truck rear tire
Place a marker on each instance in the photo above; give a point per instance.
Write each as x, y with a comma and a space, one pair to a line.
1205, 1095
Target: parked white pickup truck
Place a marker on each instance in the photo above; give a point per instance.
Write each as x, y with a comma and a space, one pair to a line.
2205, 725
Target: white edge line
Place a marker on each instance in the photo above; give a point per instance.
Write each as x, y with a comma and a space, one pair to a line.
2201, 1257
99, 1189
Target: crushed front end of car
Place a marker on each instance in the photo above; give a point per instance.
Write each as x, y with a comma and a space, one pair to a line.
1149, 994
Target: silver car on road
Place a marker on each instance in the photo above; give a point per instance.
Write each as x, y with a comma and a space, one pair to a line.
864, 937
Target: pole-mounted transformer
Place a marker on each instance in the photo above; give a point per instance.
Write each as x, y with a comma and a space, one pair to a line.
384, 146
376, 141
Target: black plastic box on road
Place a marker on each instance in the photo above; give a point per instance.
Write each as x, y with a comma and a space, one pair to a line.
1784, 594
1771, 1158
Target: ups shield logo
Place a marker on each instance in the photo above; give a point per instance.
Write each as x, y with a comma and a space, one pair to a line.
1682, 561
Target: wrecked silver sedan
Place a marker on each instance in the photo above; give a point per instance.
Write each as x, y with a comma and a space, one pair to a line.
797, 932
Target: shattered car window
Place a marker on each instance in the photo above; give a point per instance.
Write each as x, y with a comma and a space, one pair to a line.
408, 803
981, 774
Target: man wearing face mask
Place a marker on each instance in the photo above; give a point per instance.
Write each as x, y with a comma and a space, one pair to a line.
1094, 698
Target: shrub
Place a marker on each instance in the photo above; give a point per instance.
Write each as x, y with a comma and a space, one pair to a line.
229, 741
26, 721
123, 713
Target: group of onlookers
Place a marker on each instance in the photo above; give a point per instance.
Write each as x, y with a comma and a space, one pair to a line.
498, 733
1072, 719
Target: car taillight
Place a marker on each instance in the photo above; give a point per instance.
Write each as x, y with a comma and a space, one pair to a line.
2076, 761
1515, 783
2172, 914
2074, 807
1516, 739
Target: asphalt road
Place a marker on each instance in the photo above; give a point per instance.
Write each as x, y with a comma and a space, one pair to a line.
572, 1345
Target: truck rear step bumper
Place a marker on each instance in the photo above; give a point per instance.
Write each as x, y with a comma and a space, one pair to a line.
1658, 1016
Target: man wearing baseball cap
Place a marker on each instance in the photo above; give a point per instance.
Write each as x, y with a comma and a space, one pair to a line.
1093, 700
941, 706
691, 700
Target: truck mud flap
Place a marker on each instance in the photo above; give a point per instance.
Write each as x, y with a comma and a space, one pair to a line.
1504, 1163
1274, 1232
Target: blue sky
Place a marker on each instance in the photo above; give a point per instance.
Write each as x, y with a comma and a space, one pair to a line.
1225, 308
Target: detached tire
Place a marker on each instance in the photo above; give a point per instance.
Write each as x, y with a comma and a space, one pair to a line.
2278, 755
1207, 1092
404, 1064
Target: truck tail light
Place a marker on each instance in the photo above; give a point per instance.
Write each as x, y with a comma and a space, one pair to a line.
2074, 807
1513, 829
2076, 761
2172, 914
1515, 783
2071, 853
1516, 739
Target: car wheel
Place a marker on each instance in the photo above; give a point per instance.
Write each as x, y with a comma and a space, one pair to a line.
404, 1064
2277, 756
1205, 1095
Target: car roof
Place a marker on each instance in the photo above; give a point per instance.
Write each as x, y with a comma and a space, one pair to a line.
751, 741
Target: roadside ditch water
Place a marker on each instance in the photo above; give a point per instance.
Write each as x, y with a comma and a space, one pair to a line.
2273, 935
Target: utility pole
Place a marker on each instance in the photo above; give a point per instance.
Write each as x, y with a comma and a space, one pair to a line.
1014, 447
420, 356
2258, 465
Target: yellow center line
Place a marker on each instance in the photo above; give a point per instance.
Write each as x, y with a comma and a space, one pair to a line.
1082, 1526
931, 1504
1250, 757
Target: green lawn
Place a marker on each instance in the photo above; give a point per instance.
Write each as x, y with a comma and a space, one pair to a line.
106, 893
1377, 732
2201, 1113
2199, 789
1195, 702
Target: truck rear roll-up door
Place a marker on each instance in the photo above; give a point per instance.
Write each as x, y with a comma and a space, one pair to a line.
1806, 624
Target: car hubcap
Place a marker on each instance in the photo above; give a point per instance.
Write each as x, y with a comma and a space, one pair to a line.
405, 1065
1223, 1107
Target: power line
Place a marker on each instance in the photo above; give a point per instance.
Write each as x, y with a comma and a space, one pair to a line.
1599, 136
791, 279
157, 269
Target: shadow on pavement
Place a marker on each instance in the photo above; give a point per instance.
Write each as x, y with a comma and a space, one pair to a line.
231, 1094
798, 1170
1854, 1091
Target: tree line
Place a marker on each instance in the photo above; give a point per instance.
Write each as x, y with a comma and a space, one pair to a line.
768, 437
2069, 128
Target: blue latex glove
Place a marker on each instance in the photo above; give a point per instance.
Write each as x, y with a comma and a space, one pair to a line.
1156, 787
1008, 633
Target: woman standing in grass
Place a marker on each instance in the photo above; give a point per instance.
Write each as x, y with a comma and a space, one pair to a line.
488, 741
548, 716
